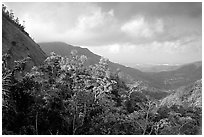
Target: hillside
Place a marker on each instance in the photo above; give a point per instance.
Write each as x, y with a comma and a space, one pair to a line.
64, 49
18, 45
156, 67
184, 75
188, 96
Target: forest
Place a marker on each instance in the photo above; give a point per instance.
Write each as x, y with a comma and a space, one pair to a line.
63, 97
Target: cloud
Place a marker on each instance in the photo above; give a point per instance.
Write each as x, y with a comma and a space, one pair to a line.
93, 20
74, 23
140, 27
172, 52
127, 33
124, 10
115, 48
93, 27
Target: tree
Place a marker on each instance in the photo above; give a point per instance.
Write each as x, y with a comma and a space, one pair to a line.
11, 15
3, 8
17, 21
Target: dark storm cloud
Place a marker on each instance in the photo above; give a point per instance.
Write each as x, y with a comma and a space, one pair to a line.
180, 19
125, 10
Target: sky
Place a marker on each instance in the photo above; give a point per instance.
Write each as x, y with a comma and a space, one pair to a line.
125, 33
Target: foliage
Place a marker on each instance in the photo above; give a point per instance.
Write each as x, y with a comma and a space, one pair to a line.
63, 96
9, 14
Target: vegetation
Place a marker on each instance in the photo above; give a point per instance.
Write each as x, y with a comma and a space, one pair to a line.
63, 96
9, 14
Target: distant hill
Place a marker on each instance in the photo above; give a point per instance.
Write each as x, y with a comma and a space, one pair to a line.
184, 75
156, 67
19, 45
166, 80
64, 49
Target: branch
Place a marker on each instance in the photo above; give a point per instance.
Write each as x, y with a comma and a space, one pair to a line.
82, 119
36, 123
146, 119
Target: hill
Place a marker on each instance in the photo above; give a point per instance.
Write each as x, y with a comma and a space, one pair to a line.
18, 45
184, 75
188, 96
156, 67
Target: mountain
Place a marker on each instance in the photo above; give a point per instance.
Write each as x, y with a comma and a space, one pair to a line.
19, 45
184, 75
64, 49
188, 96
165, 80
156, 67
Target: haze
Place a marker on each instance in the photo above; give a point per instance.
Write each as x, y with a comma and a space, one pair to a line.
126, 33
